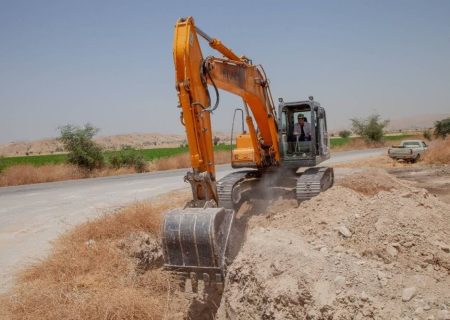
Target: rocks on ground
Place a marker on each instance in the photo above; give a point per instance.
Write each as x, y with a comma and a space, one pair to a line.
353, 252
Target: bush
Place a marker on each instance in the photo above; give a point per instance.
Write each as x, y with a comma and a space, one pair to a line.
344, 133
128, 157
83, 151
442, 128
371, 128
427, 134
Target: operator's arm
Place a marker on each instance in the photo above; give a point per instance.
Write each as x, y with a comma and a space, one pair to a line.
297, 129
307, 129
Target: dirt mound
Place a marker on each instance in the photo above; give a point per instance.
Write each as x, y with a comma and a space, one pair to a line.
346, 254
371, 182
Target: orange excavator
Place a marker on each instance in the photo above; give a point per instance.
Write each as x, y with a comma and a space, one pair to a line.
277, 152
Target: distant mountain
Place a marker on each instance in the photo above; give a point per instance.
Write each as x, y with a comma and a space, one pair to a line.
416, 122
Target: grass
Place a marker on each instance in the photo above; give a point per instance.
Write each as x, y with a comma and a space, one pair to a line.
337, 142
399, 137
148, 154
6, 162
96, 270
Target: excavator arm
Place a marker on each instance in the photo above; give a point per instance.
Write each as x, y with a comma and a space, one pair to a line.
195, 238
235, 75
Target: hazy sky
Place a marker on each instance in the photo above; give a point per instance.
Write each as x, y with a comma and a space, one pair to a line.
110, 62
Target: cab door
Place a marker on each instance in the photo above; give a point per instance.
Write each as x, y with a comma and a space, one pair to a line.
323, 138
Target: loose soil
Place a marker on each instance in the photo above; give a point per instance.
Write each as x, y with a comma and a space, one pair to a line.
374, 246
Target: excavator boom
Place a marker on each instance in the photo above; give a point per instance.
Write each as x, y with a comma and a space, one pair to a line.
195, 238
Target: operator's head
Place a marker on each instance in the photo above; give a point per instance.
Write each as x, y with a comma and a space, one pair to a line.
301, 118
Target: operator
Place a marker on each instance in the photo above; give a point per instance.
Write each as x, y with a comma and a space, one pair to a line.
302, 129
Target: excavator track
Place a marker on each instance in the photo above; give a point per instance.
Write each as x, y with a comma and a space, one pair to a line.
314, 181
230, 188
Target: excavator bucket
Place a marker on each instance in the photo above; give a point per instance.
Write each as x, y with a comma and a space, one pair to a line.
195, 241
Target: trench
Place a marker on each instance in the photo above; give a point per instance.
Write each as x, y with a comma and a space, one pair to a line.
205, 307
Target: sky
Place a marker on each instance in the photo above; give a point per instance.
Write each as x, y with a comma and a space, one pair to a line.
109, 63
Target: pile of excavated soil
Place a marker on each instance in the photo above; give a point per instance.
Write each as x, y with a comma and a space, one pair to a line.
377, 248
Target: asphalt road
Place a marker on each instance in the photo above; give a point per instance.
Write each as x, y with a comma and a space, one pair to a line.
33, 215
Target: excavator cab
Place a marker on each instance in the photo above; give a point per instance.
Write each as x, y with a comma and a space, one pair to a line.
304, 140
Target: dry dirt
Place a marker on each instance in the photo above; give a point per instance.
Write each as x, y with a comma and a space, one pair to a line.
353, 252
372, 247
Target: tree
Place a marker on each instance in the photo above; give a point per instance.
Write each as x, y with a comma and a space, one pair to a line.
83, 151
344, 133
442, 128
371, 128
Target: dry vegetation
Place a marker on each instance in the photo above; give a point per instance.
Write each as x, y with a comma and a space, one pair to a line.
28, 174
438, 152
94, 272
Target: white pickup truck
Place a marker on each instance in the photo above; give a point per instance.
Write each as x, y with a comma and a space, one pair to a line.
408, 150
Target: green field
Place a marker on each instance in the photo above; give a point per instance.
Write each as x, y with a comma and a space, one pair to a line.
338, 141
397, 137
149, 155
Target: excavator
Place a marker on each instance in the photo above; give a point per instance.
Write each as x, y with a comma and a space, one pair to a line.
273, 151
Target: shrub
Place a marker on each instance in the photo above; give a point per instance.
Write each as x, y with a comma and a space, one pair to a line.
442, 128
83, 151
344, 133
371, 128
128, 157
427, 134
